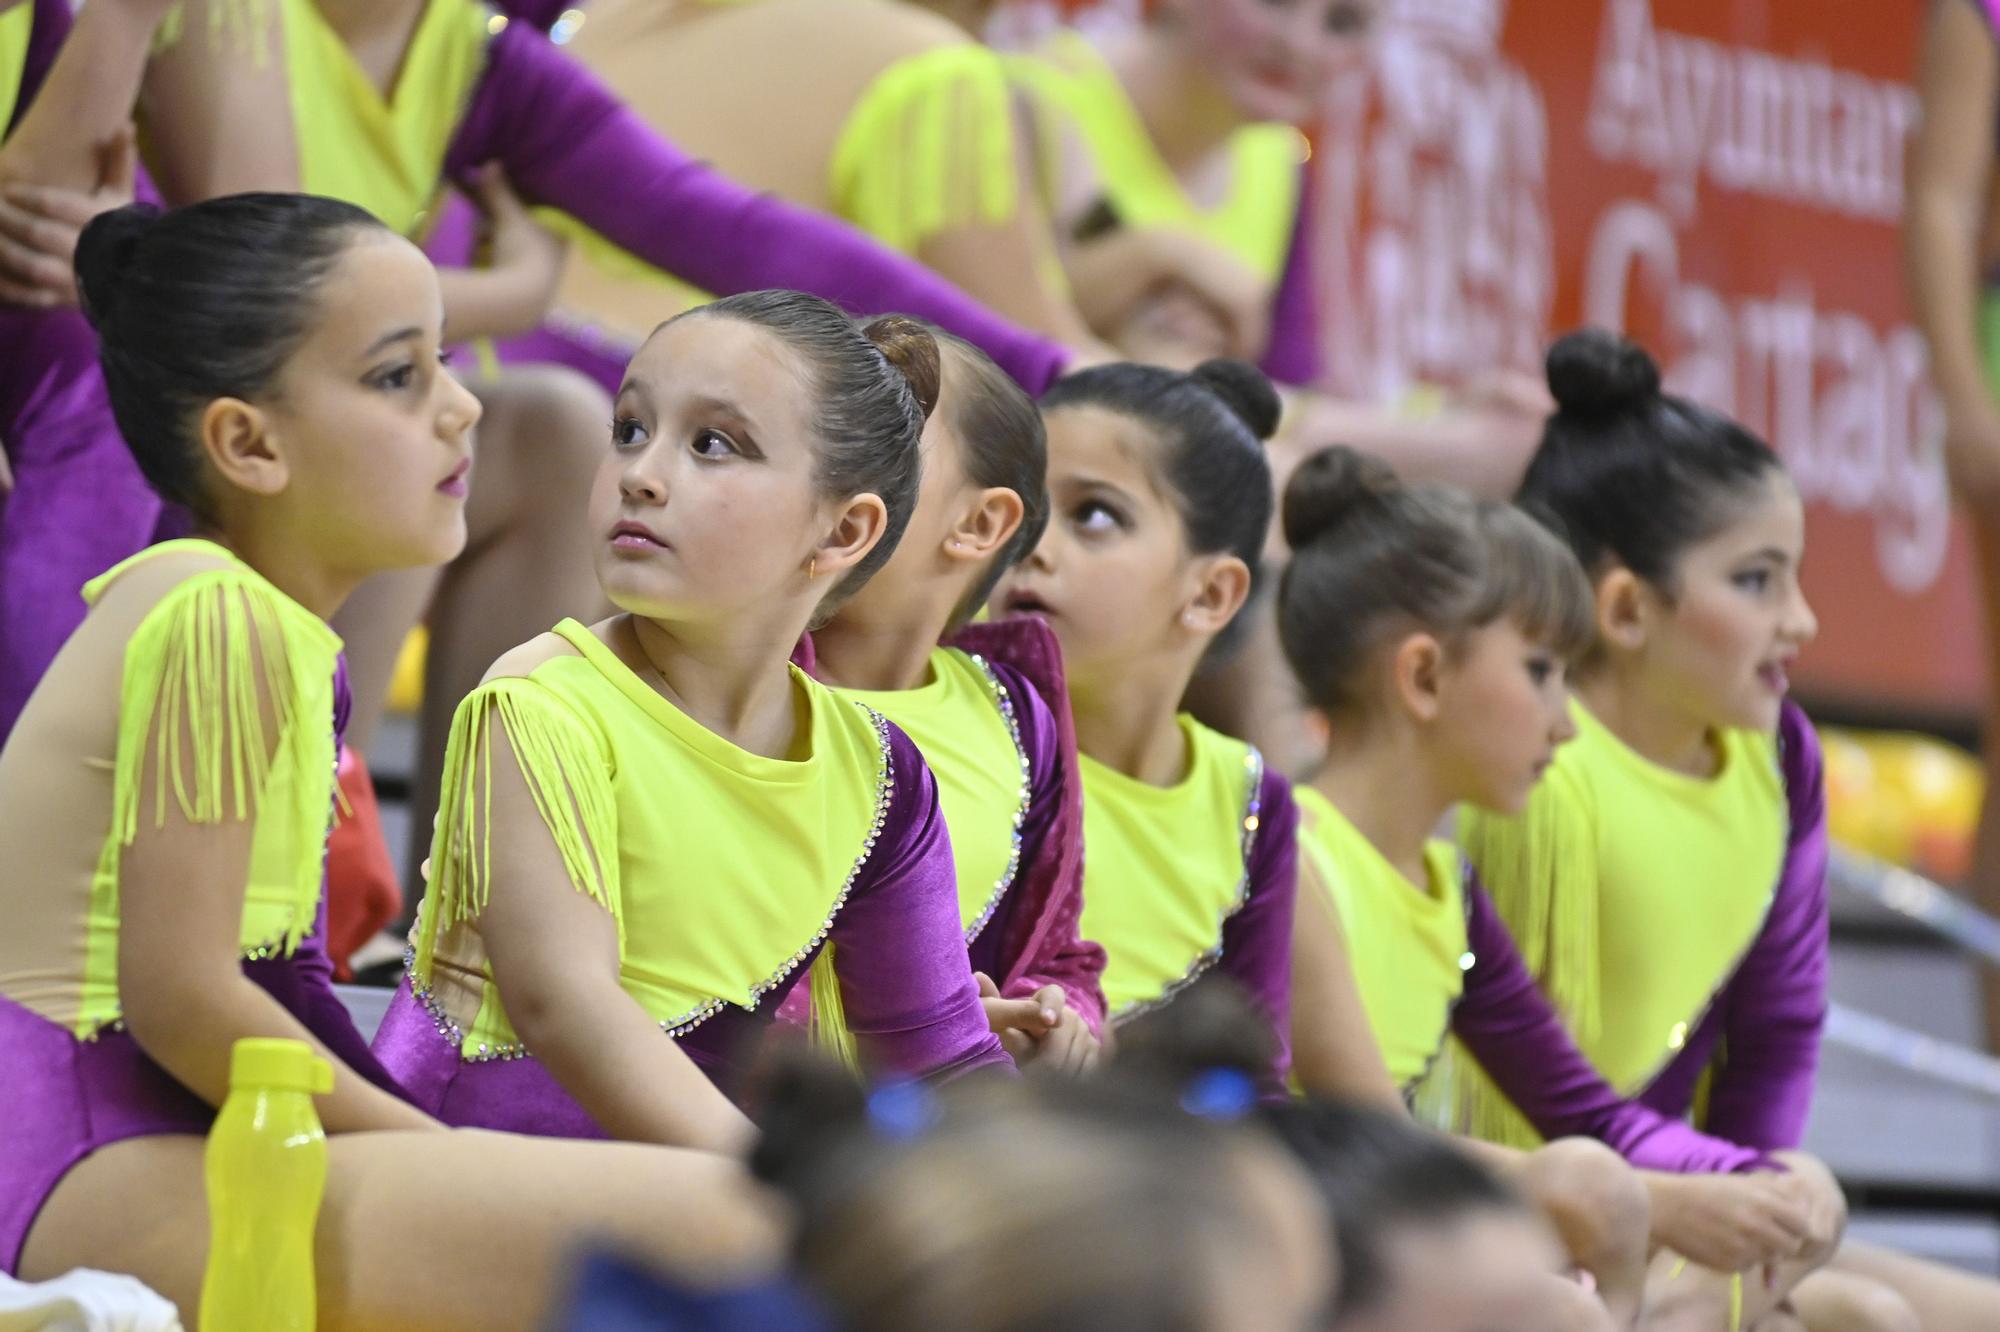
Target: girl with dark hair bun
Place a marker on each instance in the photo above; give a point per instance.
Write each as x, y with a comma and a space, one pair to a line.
274, 361
657, 824
1160, 496
988, 708
1667, 878
1433, 631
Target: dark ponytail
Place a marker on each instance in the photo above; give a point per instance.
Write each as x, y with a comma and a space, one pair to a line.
204, 302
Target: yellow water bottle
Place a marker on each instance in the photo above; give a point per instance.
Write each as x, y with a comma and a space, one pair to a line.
266, 1170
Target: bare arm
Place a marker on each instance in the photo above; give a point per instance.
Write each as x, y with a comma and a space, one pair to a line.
219, 109
1009, 269
1334, 1053
180, 976
86, 101
1950, 172
555, 959
181, 985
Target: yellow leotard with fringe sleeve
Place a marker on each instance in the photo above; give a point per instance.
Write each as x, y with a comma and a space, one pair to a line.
1406, 942
1072, 88
225, 710
1633, 892
722, 869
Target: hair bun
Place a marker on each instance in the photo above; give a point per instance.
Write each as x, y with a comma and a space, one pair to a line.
104, 257
1594, 372
1330, 487
909, 346
1246, 392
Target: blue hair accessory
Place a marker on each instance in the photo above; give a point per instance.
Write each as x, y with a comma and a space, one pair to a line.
900, 1111
1220, 1093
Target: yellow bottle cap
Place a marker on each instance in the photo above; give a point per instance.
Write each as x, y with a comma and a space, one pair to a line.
281, 1065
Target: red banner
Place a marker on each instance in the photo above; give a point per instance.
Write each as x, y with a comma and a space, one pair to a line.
1720, 178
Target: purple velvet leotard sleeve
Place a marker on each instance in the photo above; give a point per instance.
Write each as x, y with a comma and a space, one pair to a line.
1034, 942
1774, 1011
1768, 1018
899, 950
1257, 940
566, 141
1509, 1026
1292, 356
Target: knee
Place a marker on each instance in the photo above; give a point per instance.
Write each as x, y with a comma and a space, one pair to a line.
1571, 1308
1858, 1305
546, 424
1597, 1201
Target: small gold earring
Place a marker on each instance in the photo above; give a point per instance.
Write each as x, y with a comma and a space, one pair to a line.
812, 567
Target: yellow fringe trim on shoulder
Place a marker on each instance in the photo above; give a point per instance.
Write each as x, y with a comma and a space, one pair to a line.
214, 677
1541, 870
571, 790
929, 147
241, 27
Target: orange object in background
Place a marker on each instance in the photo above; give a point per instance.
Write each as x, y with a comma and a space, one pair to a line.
362, 891
1906, 799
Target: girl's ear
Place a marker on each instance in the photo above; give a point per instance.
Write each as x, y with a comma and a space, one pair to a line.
856, 527
240, 445
1625, 608
985, 527
1417, 671
1221, 586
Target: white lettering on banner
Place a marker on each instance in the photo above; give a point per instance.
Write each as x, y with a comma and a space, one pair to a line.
1849, 406
1792, 129
1435, 251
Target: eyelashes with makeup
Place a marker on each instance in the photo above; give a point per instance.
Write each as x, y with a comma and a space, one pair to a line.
628, 433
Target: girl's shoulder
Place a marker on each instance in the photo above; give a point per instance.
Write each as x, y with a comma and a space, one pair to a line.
519, 663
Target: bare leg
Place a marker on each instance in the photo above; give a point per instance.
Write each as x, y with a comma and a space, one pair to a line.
1842, 1302
1685, 1298
1599, 1207
447, 1231
1944, 1299
1571, 1308
1784, 1320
